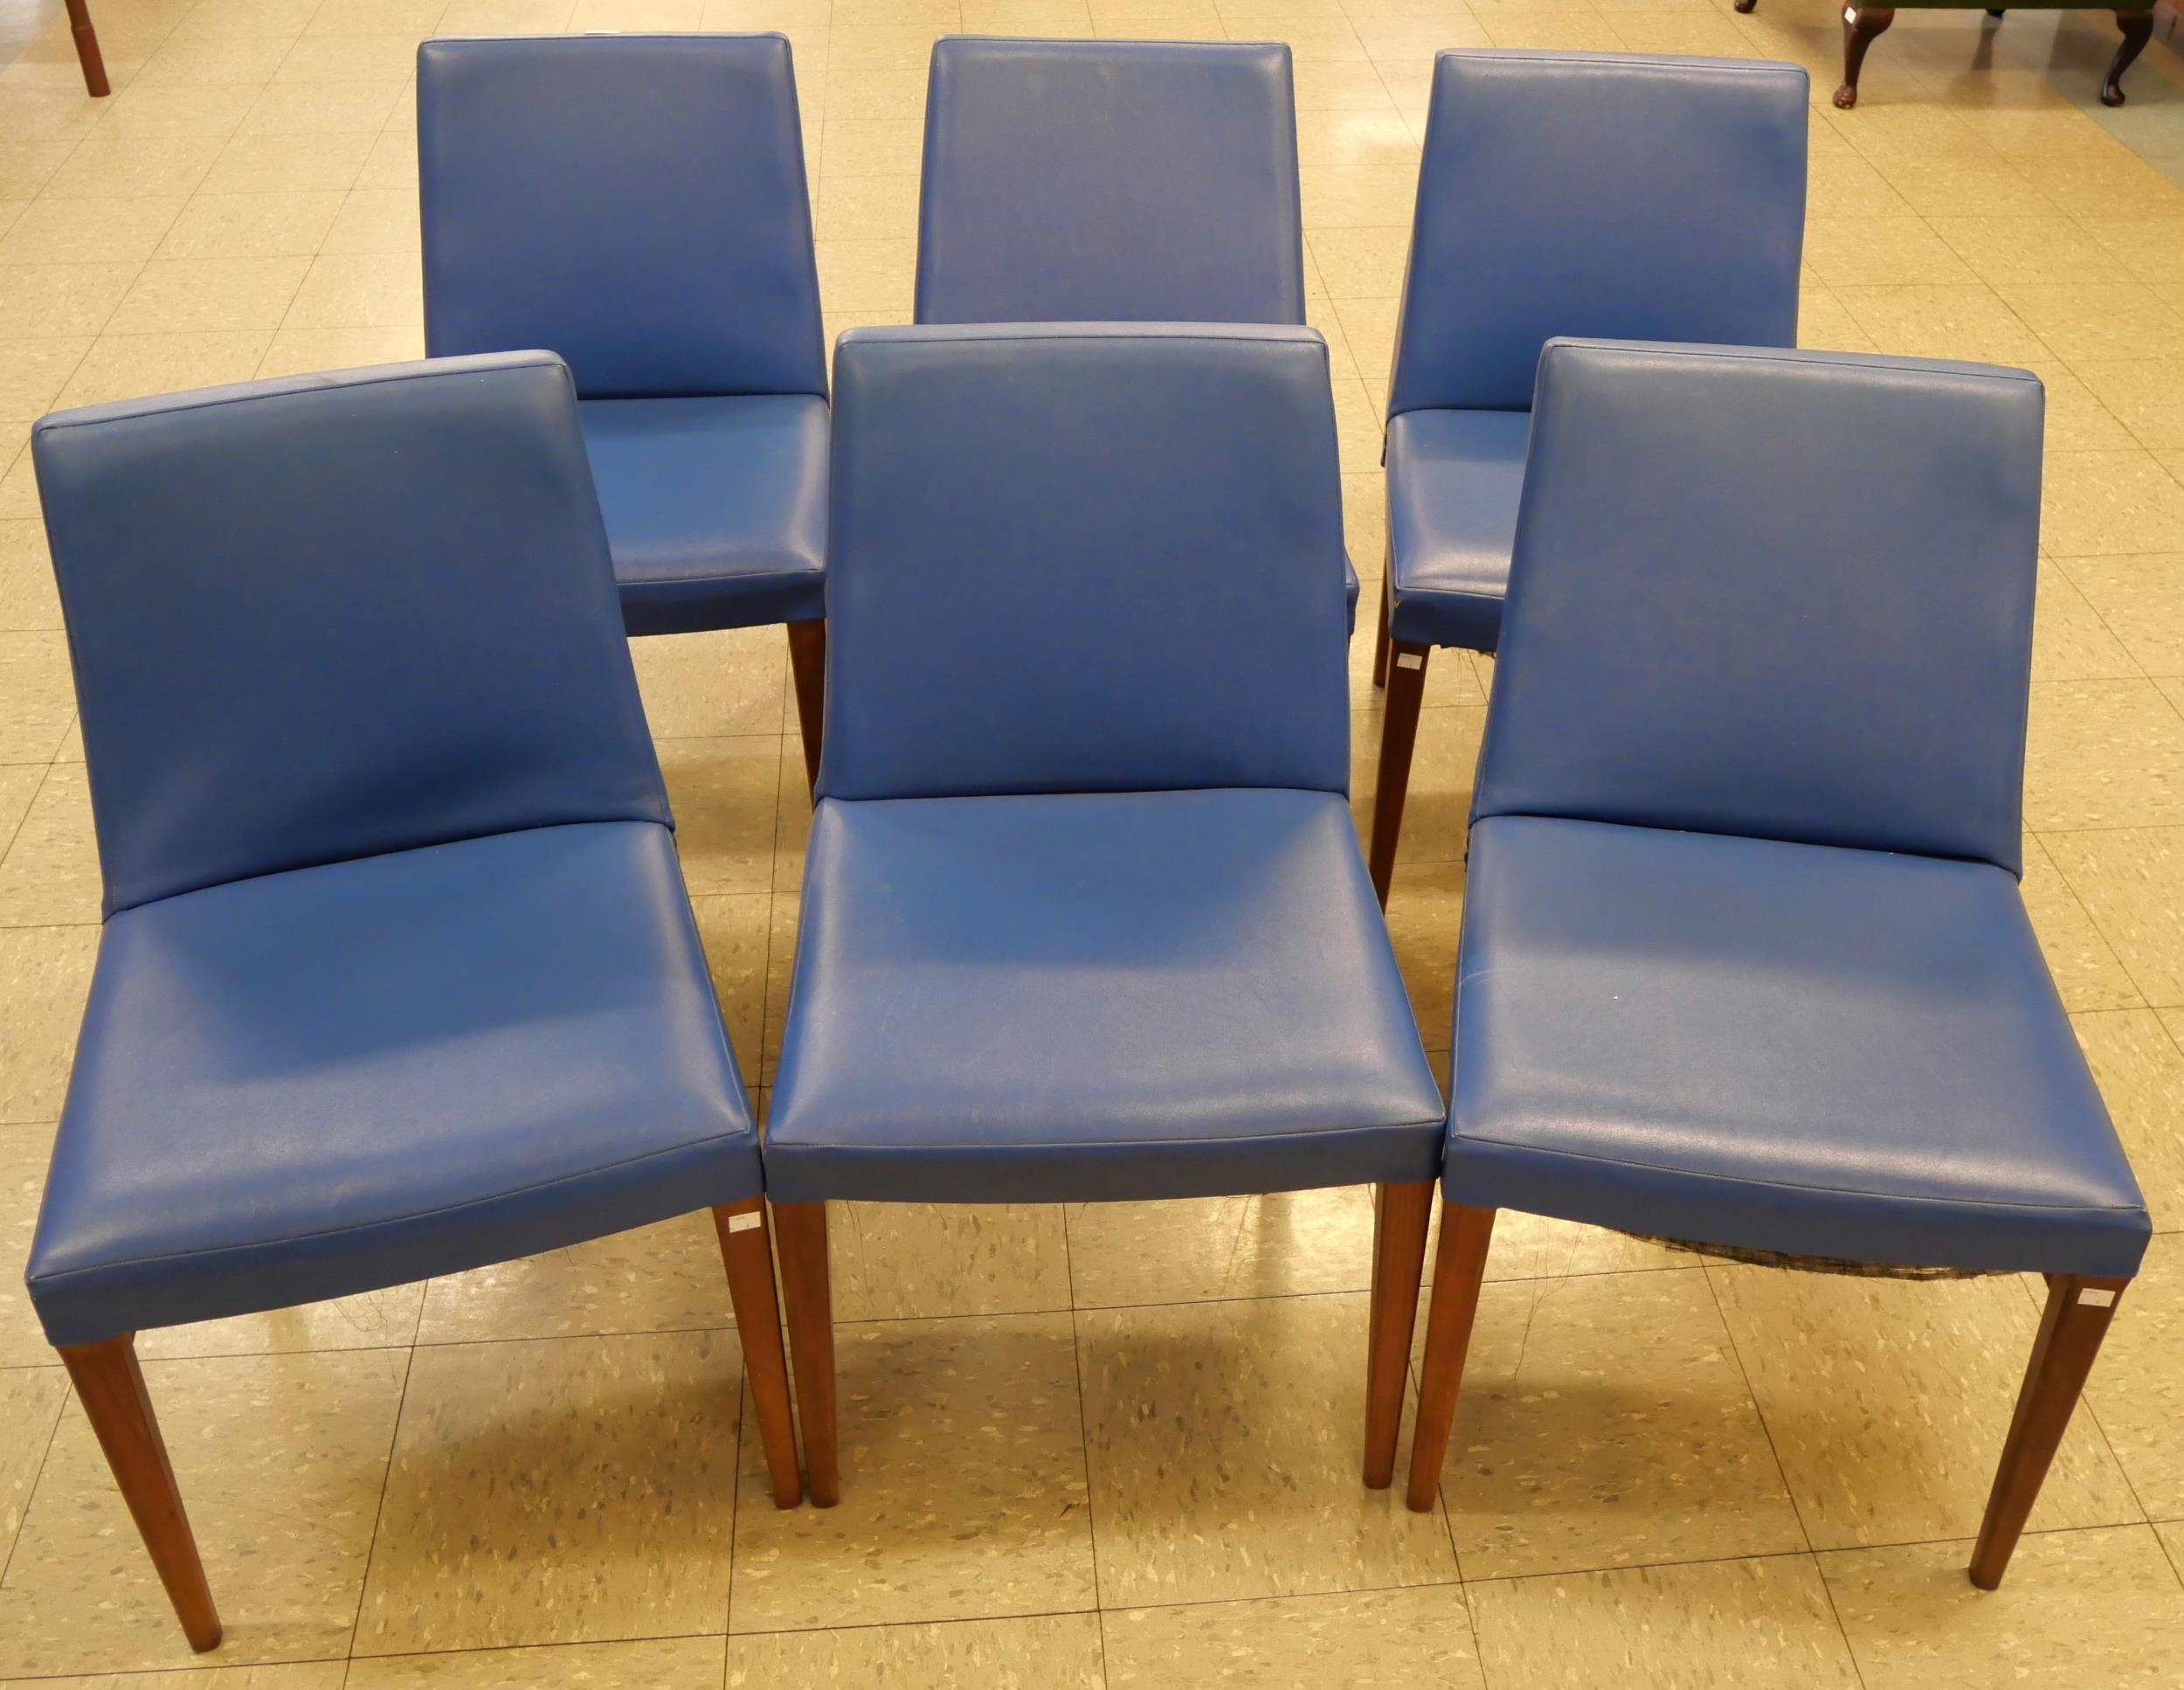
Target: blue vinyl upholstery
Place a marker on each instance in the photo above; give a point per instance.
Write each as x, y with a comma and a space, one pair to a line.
1084, 912
637, 204
399, 976
1744, 959
1118, 180
1609, 195
1089, 557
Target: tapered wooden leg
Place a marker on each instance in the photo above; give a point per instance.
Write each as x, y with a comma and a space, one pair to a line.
1860, 25
94, 65
1458, 1267
1399, 737
1745, 5
2138, 28
111, 1387
2070, 1333
1398, 1252
806, 1287
807, 667
1380, 638
747, 1251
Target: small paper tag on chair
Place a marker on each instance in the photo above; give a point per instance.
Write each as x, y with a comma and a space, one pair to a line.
1409, 660
2097, 1297
743, 1222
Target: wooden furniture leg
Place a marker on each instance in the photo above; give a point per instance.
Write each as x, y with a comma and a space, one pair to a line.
807, 667
1399, 737
746, 1251
1380, 638
809, 1293
2138, 28
1459, 1267
2070, 1333
92, 61
1399, 1221
111, 1387
1860, 25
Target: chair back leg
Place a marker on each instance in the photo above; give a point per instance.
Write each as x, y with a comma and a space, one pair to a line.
1399, 737
746, 1250
111, 1387
808, 1290
2077, 1319
1459, 1267
1400, 1222
807, 667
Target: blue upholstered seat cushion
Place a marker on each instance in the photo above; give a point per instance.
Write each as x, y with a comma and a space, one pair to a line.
1454, 478
1799, 1047
337, 1078
716, 508
1073, 997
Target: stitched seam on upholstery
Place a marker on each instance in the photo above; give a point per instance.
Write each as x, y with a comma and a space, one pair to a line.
388, 1222
1615, 62
1133, 1144
1796, 1185
1804, 357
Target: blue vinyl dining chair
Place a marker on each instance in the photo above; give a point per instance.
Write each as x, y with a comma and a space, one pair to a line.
1110, 181
1743, 962
1561, 193
1084, 914
399, 977
637, 204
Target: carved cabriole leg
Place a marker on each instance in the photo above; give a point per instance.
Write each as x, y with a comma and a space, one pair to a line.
1860, 25
2138, 28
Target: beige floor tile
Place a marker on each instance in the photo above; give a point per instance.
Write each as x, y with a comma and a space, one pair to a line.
666, 1277
18, 781
198, 295
279, 1459
120, 166
1362, 263
867, 207
268, 224
659, 1664
2137, 1390
1823, 323
308, 164
2077, 1608
866, 275
377, 1319
1887, 1402
709, 685
2146, 394
723, 792
780, 970
350, 59
2142, 600
1966, 186
736, 931
1758, 1624
126, 366
359, 291
45, 300
1051, 1651
579, 1490
1425, 915
299, 1675
2132, 882
637, 16
1604, 1423
32, 372
2149, 245
963, 1493
2042, 248
1437, 805
1944, 321
89, 230
2140, 1071
180, 108
506, 17
414, 18
199, 61
295, 351
897, 1261
2097, 319
2106, 503
37, 696
1284, 1243
2087, 972
26, 166
1373, 1640
1539, 1247
45, 973
1378, 197
2076, 420
49, 873
2102, 754
31, 1402
25, 1150
1224, 1446
2108, 184
1866, 251
2069, 641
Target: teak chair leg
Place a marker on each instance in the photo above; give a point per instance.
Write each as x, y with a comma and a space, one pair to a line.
1380, 638
1400, 1222
93, 63
809, 1292
2138, 28
746, 1252
2071, 1332
111, 1387
1458, 1268
1399, 737
807, 667
1860, 25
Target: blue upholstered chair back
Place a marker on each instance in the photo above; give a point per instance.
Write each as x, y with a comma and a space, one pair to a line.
1780, 594
1113, 181
636, 203
334, 616
1607, 195
1083, 559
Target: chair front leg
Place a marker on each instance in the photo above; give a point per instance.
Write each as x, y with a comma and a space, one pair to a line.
1399, 1221
1380, 638
807, 667
1459, 1267
746, 1252
808, 1289
2077, 1319
1399, 737
111, 1387
92, 63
